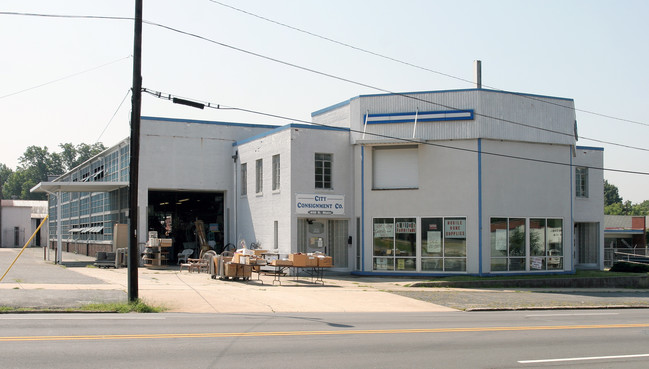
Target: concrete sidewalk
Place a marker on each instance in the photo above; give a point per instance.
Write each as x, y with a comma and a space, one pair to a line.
35, 283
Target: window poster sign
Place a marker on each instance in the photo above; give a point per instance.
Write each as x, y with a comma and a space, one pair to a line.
434, 244
401, 264
536, 263
406, 227
317, 204
554, 234
454, 228
383, 230
501, 239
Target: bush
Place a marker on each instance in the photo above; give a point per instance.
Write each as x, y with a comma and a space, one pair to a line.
628, 267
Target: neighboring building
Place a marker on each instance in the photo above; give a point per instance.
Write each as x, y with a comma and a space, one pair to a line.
19, 221
447, 182
626, 234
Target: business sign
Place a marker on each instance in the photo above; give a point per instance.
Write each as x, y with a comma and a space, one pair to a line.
454, 228
317, 204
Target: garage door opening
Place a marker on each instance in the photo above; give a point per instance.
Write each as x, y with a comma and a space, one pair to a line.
173, 214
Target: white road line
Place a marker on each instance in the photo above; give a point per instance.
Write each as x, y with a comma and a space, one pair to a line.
581, 359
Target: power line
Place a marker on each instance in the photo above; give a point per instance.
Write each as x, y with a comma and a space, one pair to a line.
570, 134
405, 95
357, 48
114, 114
216, 106
65, 77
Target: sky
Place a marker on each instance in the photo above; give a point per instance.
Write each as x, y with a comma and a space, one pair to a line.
67, 80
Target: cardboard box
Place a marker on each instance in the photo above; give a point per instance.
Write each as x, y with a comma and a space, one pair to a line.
259, 253
325, 262
279, 262
299, 260
311, 261
165, 242
241, 259
238, 270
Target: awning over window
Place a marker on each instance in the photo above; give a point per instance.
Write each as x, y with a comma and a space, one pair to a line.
53, 187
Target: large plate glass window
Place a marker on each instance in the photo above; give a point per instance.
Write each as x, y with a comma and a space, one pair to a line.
546, 244
443, 244
508, 251
394, 244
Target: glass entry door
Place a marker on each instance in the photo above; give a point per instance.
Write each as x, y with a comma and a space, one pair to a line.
328, 236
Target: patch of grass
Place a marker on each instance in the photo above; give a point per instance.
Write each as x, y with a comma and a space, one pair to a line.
91, 266
137, 306
578, 274
119, 307
16, 288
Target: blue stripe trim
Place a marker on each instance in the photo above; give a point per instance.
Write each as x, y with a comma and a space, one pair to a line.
176, 120
589, 148
424, 274
362, 208
572, 217
330, 108
624, 231
421, 117
480, 206
289, 126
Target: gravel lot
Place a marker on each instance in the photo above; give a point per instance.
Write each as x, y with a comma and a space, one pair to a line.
493, 299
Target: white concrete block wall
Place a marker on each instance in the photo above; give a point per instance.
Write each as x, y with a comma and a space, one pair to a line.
189, 155
526, 189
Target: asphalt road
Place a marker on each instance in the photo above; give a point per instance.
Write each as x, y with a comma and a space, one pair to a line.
576, 338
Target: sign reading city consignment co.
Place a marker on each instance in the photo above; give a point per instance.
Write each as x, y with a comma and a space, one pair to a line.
317, 204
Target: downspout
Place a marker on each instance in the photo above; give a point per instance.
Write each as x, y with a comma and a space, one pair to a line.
480, 207
362, 208
236, 188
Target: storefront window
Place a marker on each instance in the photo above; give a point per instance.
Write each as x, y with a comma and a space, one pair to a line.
395, 244
555, 243
509, 244
443, 244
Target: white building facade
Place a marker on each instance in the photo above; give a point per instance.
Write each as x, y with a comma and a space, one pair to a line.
473, 181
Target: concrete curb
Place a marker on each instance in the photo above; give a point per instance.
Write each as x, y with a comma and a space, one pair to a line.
637, 282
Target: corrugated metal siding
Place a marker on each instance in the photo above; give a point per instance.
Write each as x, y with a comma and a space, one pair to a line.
509, 116
453, 100
498, 115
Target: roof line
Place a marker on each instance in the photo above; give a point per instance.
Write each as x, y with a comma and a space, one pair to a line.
343, 103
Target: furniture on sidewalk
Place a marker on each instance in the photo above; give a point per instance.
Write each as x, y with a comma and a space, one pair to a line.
184, 255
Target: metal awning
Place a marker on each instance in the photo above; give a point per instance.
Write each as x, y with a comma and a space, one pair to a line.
53, 187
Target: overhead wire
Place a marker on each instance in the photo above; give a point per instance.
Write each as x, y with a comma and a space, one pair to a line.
114, 114
383, 56
217, 106
409, 96
406, 95
65, 77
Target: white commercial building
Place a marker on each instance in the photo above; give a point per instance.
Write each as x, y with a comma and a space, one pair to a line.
447, 182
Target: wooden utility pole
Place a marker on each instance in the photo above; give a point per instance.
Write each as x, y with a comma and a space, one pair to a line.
133, 252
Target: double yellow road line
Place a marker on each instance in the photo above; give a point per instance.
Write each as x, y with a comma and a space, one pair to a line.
312, 333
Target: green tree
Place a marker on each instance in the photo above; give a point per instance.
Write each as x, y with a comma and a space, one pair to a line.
611, 194
640, 208
72, 155
37, 163
5, 173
